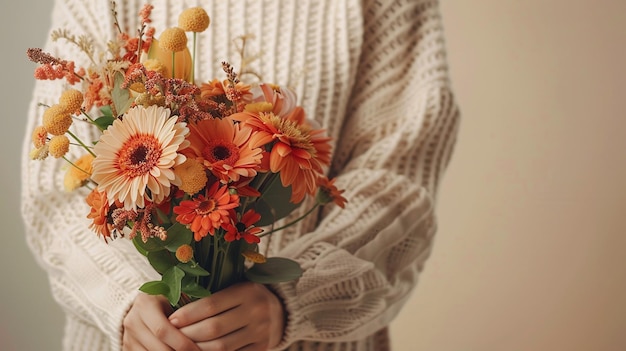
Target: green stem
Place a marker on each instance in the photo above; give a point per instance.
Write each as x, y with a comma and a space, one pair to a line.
193, 60
81, 143
173, 64
74, 165
292, 222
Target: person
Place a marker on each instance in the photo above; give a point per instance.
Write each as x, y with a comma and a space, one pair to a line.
374, 74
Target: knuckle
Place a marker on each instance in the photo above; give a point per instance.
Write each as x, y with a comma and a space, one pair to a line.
219, 345
160, 331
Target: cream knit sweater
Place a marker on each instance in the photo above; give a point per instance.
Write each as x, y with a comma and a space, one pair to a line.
373, 73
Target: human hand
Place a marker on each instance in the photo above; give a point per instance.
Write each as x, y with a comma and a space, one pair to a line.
146, 327
246, 316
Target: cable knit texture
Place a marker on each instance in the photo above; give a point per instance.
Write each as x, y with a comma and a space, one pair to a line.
373, 73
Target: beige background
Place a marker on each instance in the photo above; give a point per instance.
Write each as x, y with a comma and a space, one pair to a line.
529, 255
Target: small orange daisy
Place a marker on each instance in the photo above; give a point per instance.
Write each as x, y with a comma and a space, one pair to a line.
204, 214
244, 228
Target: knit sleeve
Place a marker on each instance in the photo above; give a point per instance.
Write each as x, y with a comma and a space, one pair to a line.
92, 281
361, 263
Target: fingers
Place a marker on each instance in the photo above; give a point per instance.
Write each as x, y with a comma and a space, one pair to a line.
237, 340
138, 337
213, 305
215, 327
147, 327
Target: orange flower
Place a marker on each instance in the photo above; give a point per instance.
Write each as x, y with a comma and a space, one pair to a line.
99, 213
328, 192
223, 147
244, 229
283, 100
205, 213
298, 152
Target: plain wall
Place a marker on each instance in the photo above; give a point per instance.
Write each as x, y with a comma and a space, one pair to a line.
532, 229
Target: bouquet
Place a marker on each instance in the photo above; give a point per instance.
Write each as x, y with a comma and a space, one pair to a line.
195, 174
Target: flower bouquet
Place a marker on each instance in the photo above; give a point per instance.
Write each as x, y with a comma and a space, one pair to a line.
194, 174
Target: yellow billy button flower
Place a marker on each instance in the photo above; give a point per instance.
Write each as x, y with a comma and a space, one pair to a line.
194, 19
72, 101
78, 174
39, 137
56, 120
59, 146
184, 253
160, 60
192, 176
173, 39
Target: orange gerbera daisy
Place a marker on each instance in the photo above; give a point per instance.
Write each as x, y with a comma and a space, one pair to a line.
223, 147
136, 156
244, 228
328, 192
205, 213
298, 152
283, 100
99, 214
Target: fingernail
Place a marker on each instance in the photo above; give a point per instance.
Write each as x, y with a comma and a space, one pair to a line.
174, 322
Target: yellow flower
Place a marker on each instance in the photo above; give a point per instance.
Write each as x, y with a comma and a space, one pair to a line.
40, 136
194, 19
258, 107
184, 253
164, 59
173, 39
56, 120
72, 101
254, 256
78, 174
59, 145
156, 66
192, 176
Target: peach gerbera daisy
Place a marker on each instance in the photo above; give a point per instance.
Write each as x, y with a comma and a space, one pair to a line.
205, 213
298, 152
136, 156
223, 147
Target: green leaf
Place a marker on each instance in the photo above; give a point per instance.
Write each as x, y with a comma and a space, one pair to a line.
274, 270
193, 269
193, 289
155, 288
121, 97
274, 203
106, 111
151, 245
177, 235
139, 246
104, 122
161, 260
173, 278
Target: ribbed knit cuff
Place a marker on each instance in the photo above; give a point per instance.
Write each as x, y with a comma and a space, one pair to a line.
294, 320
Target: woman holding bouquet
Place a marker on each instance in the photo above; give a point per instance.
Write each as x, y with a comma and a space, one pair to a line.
373, 74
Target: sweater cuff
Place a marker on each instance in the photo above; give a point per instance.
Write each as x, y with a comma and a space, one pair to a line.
294, 318
116, 328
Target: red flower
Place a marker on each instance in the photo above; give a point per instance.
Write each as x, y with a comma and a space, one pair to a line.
244, 229
205, 213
